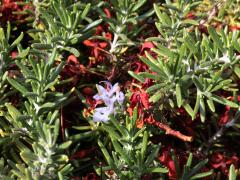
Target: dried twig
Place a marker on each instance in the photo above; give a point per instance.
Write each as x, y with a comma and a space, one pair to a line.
170, 131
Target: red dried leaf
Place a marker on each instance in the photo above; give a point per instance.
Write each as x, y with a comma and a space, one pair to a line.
147, 45
103, 45
89, 43
144, 100
107, 12
108, 36
166, 159
222, 162
72, 60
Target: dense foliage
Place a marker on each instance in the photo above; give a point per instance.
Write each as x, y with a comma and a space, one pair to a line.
119, 89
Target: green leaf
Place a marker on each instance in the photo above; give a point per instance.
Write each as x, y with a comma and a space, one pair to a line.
158, 170
17, 86
197, 168
172, 7
155, 87
190, 44
138, 133
237, 71
91, 25
197, 84
64, 145
134, 118
162, 50
60, 158
8, 31
201, 175
28, 156
144, 145
45, 107
120, 150
13, 111
120, 128
178, 95
154, 98
153, 66
26, 72
138, 5
163, 17
188, 108
190, 21
106, 154
82, 136
28, 174
72, 50
23, 53
232, 174
111, 131
236, 45
197, 104
189, 161
136, 76
176, 163
17, 41
150, 76
216, 38
54, 75
42, 46
60, 176
67, 168
153, 155
211, 104
85, 11
224, 101
202, 110
59, 12
52, 57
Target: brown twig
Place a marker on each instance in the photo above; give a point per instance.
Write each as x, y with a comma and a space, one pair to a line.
172, 132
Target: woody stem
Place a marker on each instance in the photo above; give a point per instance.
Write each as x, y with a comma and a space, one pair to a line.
172, 132
218, 134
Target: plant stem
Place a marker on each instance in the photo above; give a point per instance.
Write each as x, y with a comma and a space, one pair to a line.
218, 134
170, 131
114, 43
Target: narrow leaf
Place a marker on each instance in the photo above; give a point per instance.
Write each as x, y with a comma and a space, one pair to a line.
216, 38
17, 86
178, 95
202, 110
201, 175
224, 101
211, 104
232, 173
136, 76
188, 108
17, 41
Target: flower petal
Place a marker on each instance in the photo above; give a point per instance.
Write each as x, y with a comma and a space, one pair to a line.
120, 97
101, 90
96, 97
115, 88
101, 114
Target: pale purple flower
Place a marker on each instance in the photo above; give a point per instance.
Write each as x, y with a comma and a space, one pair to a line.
112, 98
101, 114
